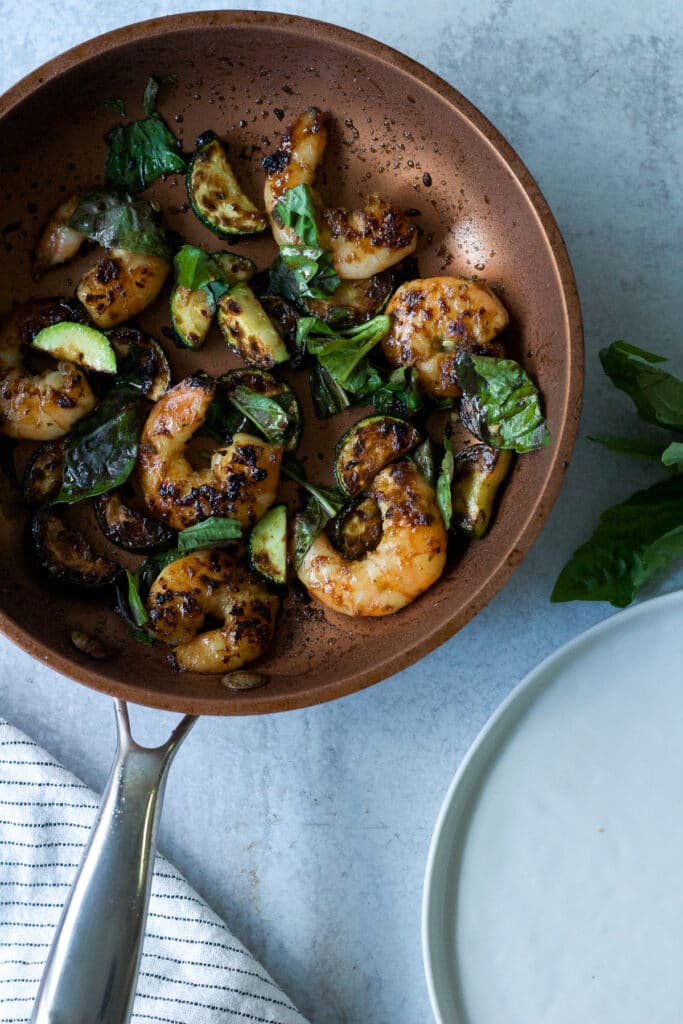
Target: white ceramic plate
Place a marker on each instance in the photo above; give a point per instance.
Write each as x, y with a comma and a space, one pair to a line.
554, 887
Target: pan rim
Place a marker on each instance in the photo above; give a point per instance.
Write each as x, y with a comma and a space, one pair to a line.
260, 702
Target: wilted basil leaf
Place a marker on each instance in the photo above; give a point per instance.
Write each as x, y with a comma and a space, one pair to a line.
130, 606
216, 532
399, 394
302, 272
500, 403
117, 221
117, 104
296, 210
222, 421
272, 415
658, 395
103, 448
444, 484
153, 564
154, 82
633, 541
140, 152
328, 397
340, 350
195, 269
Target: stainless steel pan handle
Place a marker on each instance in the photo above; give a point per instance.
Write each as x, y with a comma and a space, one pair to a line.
93, 963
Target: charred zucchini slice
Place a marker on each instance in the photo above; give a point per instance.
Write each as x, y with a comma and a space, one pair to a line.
66, 556
266, 403
77, 343
215, 194
357, 529
129, 528
479, 472
44, 472
141, 357
191, 315
368, 446
236, 268
248, 329
267, 546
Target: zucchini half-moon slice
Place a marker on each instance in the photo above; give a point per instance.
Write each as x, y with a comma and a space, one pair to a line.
128, 528
65, 555
479, 472
215, 193
368, 447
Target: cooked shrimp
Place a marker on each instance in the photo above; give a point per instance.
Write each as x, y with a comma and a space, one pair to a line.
39, 406
294, 163
434, 320
240, 483
362, 242
366, 242
58, 242
409, 557
211, 583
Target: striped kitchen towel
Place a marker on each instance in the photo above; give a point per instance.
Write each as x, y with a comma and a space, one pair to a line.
193, 969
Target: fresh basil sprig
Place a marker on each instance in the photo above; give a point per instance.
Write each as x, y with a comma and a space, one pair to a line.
658, 395
323, 504
500, 403
304, 270
103, 447
117, 221
632, 542
140, 152
216, 532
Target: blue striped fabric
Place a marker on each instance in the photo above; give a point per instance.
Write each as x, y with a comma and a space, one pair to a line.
193, 969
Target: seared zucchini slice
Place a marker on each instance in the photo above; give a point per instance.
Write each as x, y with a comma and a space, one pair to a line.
479, 472
266, 403
120, 285
215, 194
77, 343
267, 546
127, 527
44, 472
368, 446
236, 268
357, 529
66, 556
141, 357
191, 315
284, 316
248, 329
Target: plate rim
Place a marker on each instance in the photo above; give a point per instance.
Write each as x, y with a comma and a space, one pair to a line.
568, 415
478, 758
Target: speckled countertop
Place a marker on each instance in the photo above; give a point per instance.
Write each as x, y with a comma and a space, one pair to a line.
309, 831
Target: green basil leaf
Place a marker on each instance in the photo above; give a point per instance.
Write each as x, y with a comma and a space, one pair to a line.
444, 484
328, 397
103, 448
330, 499
296, 210
657, 395
302, 272
672, 456
501, 404
222, 421
628, 445
307, 526
399, 394
154, 82
216, 532
117, 221
266, 412
117, 104
195, 269
129, 605
140, 152
340, 350
633, 540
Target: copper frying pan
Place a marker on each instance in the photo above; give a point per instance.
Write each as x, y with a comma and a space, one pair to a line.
397, 129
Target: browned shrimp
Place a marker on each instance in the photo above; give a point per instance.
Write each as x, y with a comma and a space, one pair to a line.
211, 583
240, 483
408, 559
434, 320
